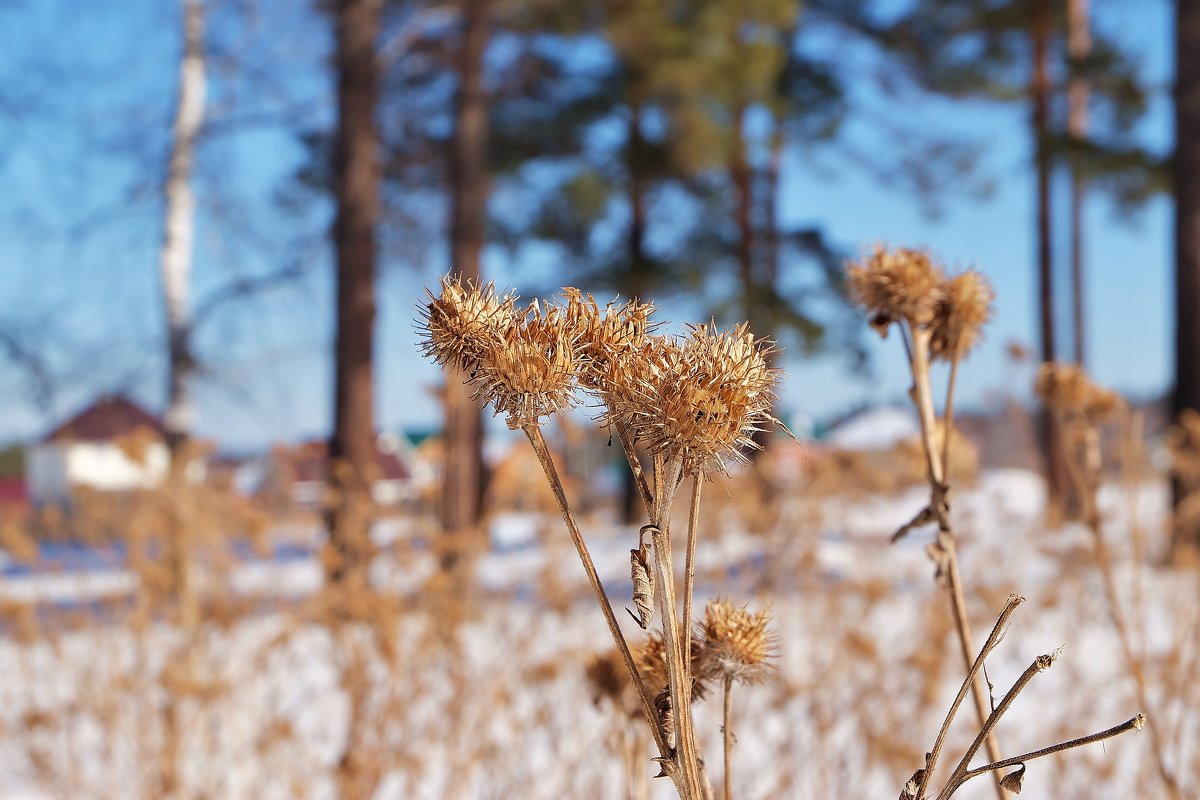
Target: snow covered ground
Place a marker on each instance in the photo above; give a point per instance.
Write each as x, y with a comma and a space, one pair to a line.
502, 708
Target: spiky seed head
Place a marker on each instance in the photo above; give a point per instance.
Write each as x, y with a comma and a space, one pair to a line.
739, 644
896, 284
530, 374
461, 324
651, 661
1067, 388
605, 336
698, 398
964, 307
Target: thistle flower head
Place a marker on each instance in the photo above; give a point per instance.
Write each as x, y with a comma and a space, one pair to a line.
651, 661
605, 336
698, 398
739, 645
530, 373
1067, 388
964, 307
463, 323
896, 284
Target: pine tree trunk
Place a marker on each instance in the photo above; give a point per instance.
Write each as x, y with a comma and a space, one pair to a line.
356, 186
1187, 234
1079, 46
1039, 90
462, 490
179, 224
743, 190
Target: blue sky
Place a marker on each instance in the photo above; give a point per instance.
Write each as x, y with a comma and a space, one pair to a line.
79, 232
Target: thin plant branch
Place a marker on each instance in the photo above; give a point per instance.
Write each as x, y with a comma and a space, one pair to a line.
728, 736
635, 466
948, 414
1039, 664
1134, 724
684, 761
988, 646
690, 565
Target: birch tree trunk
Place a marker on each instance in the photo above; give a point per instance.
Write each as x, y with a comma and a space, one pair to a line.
356, 188
179, 224
462, 489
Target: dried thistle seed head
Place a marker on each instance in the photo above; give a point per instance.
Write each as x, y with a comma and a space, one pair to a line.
739, 645
698, 398
896, 284
463, 323
530, 373
651, 661
1067, 388
608, 677
964, 307
606, 335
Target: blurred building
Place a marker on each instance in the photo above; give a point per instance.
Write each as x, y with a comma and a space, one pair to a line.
112, 445
297, 475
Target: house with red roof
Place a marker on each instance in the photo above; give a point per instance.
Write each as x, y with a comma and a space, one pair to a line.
112, 445
299, 474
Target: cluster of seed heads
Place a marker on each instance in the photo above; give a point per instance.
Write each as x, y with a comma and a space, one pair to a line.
698, 397
907, 285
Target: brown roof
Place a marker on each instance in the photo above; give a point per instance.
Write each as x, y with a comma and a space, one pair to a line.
106, 419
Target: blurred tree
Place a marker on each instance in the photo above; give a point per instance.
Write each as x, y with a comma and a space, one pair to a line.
179, 224
1185, 541
1079, 47
352, 451
462, 486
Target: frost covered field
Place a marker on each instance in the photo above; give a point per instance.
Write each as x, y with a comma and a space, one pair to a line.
484, 693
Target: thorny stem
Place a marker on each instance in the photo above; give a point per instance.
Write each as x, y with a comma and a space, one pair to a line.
922, 397
543, 454
1134, 724
992, 641
690, 569
728, 741
1040, 664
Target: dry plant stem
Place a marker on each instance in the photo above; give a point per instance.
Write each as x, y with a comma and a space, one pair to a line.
922, 397
539, 447
668, 473
690, 568
1134, 724
988, 646
685, 757
948, 416
635, 466
1083, 468
728, 741
1040, 664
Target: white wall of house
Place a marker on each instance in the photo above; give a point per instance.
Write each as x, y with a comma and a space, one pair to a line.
55, 467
